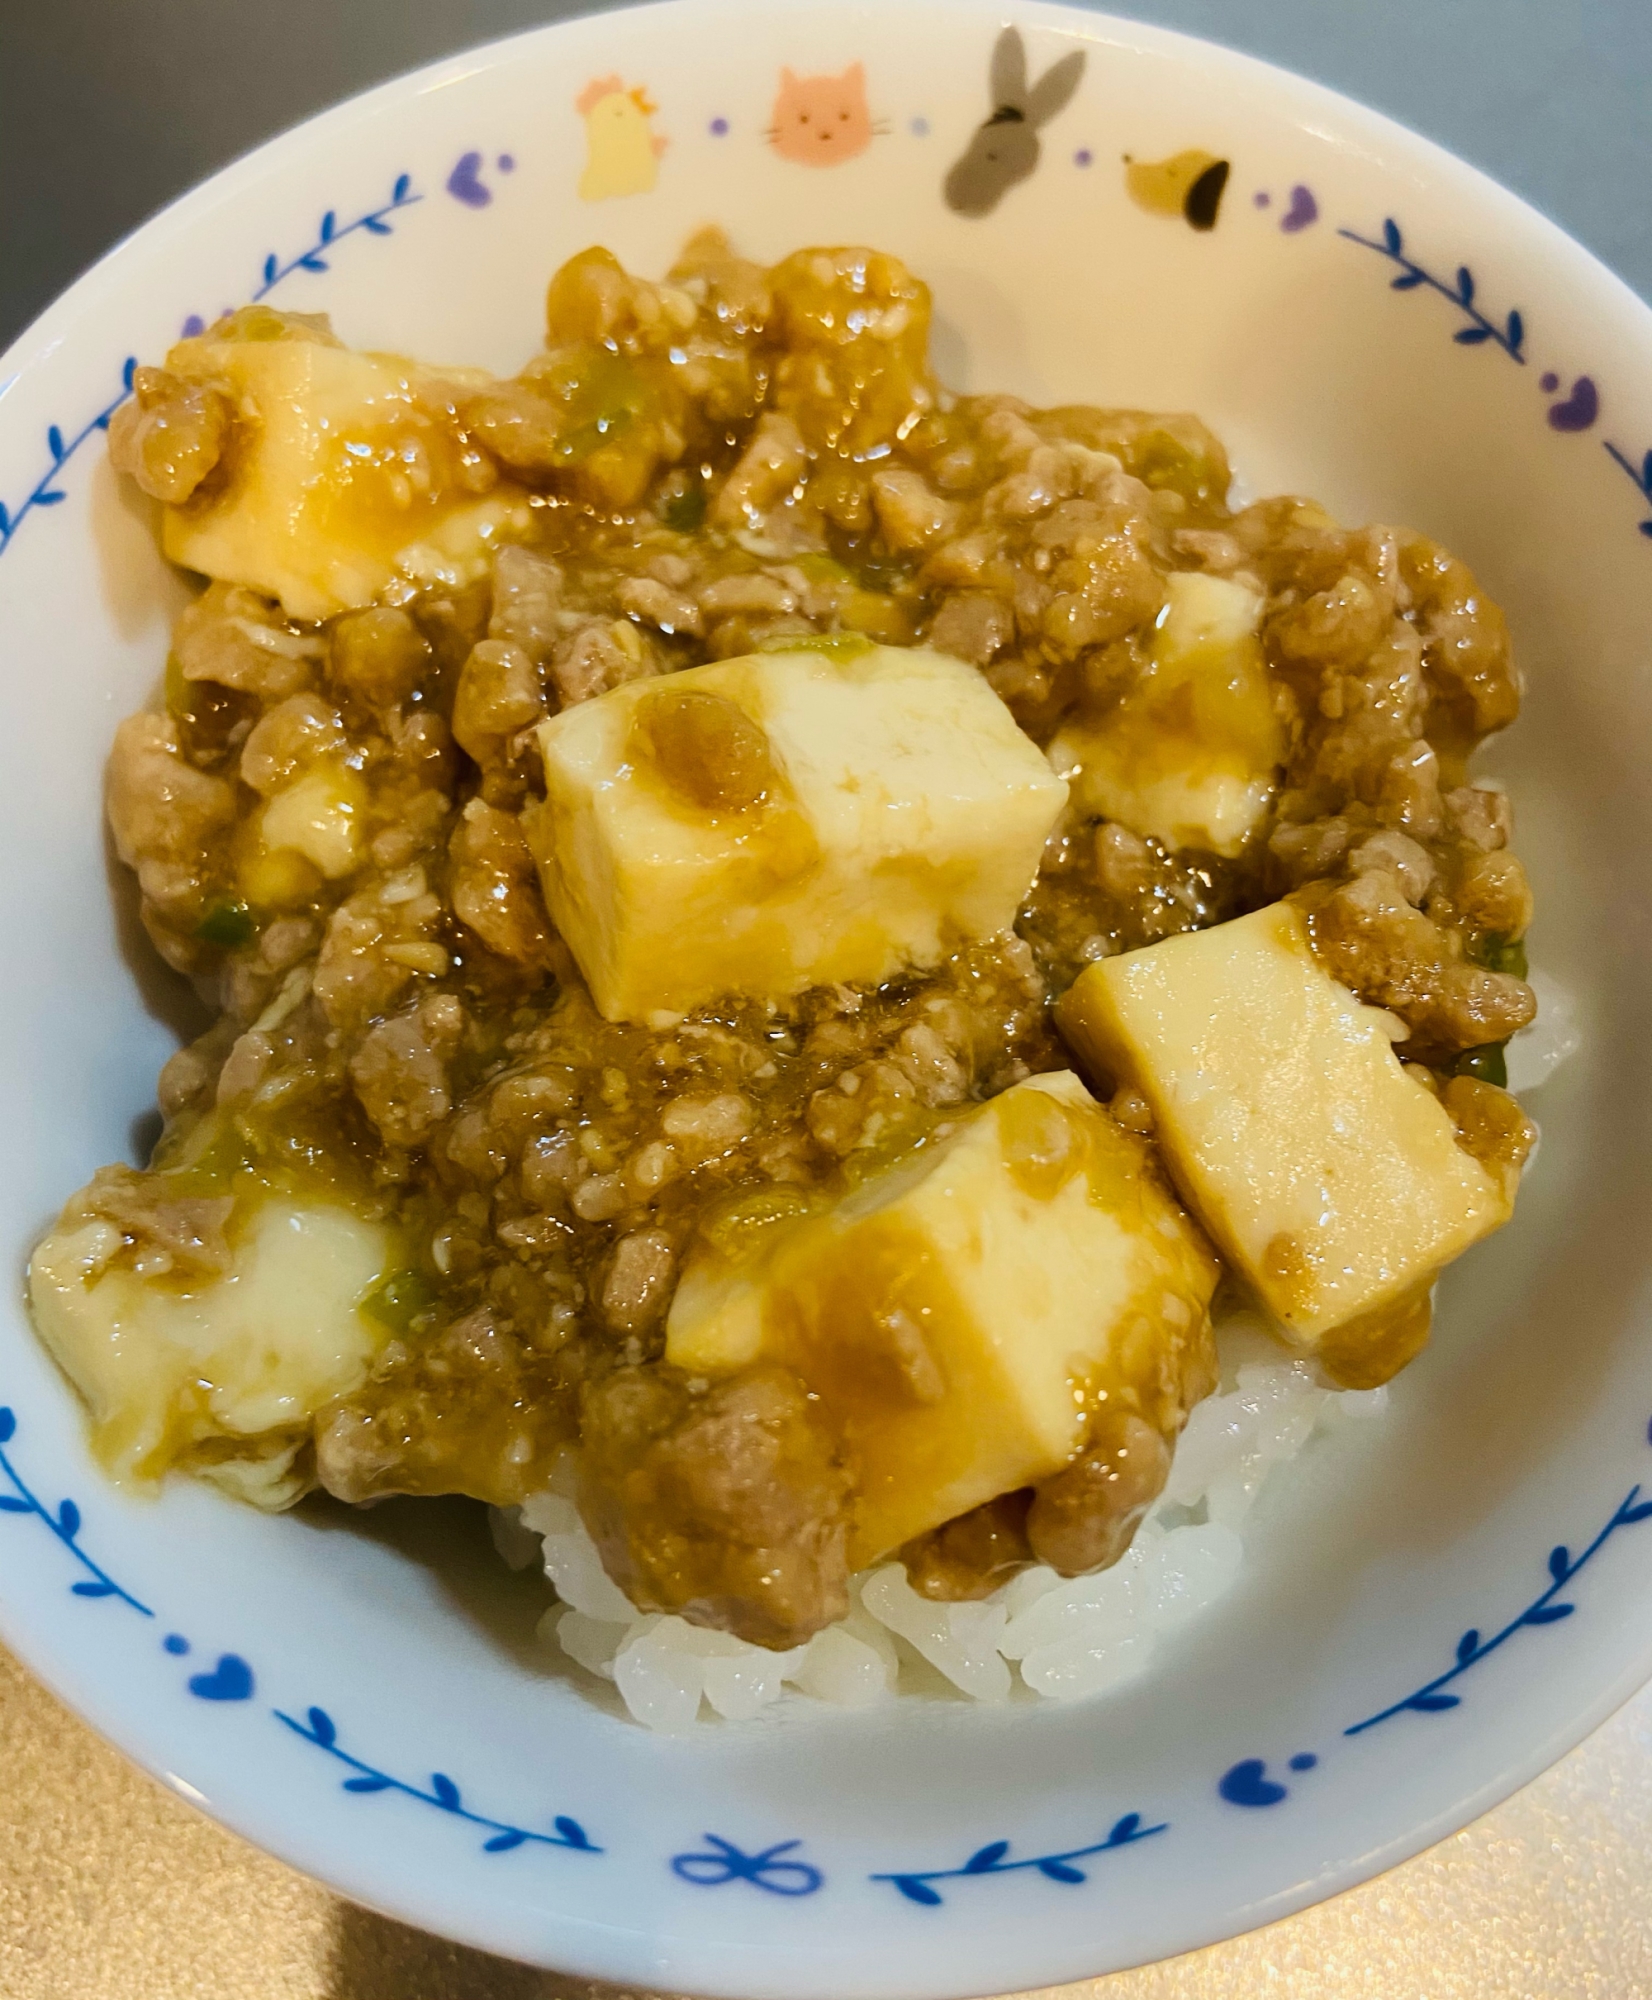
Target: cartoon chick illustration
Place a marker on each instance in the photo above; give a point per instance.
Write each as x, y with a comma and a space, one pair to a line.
622, 150
1188, 184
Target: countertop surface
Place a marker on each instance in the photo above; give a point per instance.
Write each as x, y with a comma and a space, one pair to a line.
111, 1889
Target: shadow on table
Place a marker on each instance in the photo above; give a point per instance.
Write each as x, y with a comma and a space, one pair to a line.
374, 1958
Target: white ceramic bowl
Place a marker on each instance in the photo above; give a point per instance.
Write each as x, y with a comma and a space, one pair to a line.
303, 1680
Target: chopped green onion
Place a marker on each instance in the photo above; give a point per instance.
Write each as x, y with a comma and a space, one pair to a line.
397, 1301
835, 645
1500, 954
685, 509
1485, 1062
227, 925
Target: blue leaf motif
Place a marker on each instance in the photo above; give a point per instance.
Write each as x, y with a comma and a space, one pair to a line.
1408, 281
1465, 284
1646, 474
10, 1506
1471, 336
68, 1519
915, 1891
62, 447
1563, 1566
319, 1728
8, 1418
1517, 332
93, 1589
996, 1857
1646, 527
1391, 235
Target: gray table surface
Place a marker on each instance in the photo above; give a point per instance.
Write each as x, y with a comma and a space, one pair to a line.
109, 1890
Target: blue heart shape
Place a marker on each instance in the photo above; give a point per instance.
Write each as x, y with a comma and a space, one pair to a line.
230, 1680
1580, 408
1248, 1784
1303, 210
465, 182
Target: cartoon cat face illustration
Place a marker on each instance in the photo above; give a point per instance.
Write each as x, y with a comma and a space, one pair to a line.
821, 120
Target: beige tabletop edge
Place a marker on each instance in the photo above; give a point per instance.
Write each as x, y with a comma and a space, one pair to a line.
111, 1889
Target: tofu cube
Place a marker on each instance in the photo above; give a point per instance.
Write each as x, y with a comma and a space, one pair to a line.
1191, 755
244, 1358
1335, 1184
342, 473
962, 1312
783, 820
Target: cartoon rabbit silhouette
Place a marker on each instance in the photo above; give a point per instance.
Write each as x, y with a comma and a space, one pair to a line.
1005, 148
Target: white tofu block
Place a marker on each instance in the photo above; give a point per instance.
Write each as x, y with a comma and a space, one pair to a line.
1191, 755
783, 820
1331, 1181
164, 1367
960, 1314
343, 472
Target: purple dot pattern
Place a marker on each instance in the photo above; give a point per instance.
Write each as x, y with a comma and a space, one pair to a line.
1261, 198
719, 128
920, 128
1549, 383
1083, 157
507, 163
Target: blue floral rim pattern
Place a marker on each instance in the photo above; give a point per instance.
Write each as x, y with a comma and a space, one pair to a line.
781, 1869
47, 492
1576, 411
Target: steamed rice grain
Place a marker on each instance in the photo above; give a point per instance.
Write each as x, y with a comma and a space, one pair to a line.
1044, 1635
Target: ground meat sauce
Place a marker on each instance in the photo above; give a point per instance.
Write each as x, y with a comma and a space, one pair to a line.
737, 458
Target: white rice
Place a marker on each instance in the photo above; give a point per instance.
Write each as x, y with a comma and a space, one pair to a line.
1538, 1051
1041, 1635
